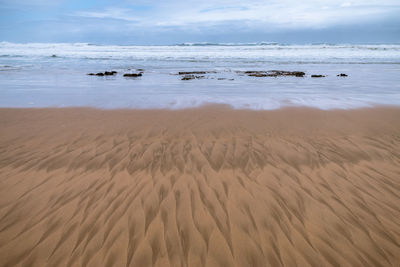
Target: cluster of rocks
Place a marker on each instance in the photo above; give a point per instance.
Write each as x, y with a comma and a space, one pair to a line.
321, 76
277, 73
189, 75
111, 73
192, 77
195, 75
273, 73
106, 73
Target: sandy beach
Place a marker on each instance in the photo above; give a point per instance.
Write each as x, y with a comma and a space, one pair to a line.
211, 186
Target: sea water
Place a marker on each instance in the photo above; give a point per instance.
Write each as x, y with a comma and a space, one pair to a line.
55, 75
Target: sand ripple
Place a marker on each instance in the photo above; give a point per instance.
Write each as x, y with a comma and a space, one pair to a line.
203, 187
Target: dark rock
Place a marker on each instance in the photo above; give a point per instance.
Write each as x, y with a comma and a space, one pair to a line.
252, 72
187, 77
317, 76
134, 75
191, 72
288, 73
191, 77
220, 79
108, 73
342, 75
53, 55
140, 69
194, 72
274, 73
263, 75
299, 74
260, 75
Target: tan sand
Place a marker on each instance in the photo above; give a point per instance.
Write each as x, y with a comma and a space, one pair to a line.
202, 187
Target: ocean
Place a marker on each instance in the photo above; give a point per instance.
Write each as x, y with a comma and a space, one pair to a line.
55, 75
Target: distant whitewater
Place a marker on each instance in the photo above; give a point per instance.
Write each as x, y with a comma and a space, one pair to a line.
42, 75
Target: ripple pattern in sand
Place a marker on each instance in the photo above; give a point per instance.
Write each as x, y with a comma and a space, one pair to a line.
224, 194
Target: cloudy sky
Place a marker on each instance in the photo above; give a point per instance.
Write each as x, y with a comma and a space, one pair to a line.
178, 21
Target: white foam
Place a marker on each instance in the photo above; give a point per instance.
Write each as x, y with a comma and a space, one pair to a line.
275, 52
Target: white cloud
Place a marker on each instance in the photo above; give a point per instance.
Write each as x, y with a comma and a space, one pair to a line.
345, 4
278, 14
111, 13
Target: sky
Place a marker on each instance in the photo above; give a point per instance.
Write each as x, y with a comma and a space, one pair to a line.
188, 21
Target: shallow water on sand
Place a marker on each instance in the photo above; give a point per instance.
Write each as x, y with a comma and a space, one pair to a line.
31, 77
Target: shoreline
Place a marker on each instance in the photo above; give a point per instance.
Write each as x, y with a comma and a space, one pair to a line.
207, 186
204, 106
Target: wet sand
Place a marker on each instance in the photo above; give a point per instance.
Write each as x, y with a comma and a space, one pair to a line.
202, 187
